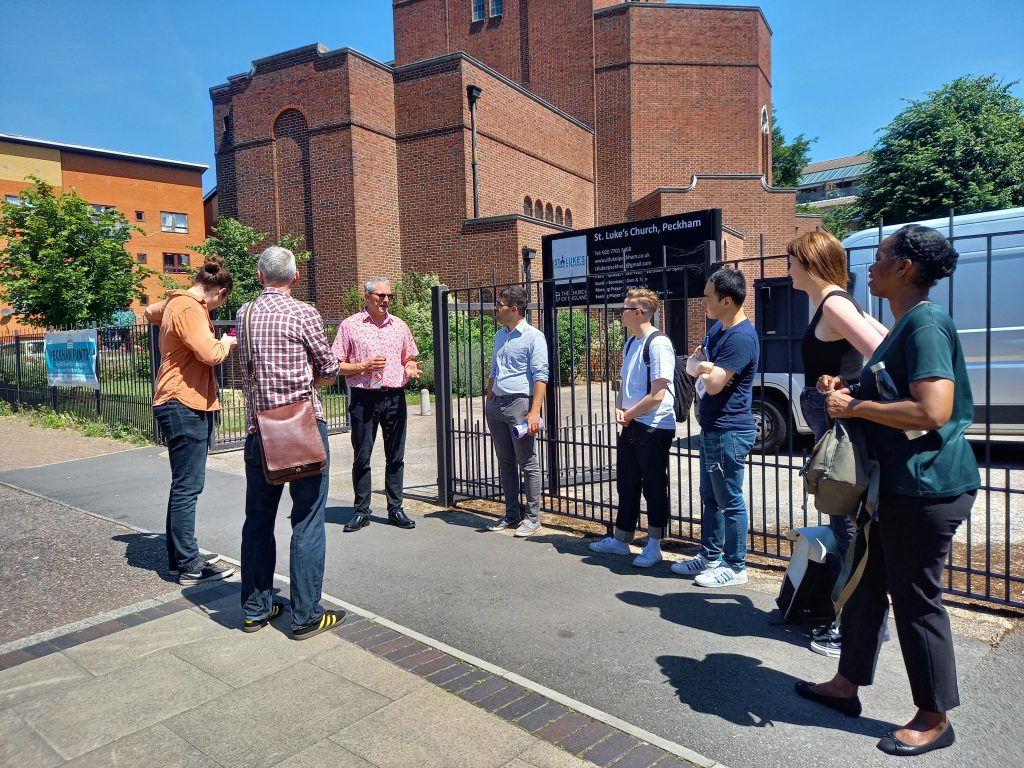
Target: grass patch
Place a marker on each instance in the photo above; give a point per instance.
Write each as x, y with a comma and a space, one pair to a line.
47, 418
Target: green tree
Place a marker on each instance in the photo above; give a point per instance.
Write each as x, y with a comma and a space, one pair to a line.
64, 262
788, 159
236, 244
962, 147
840, 220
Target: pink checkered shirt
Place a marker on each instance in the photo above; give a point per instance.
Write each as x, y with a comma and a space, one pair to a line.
359, 339
291, 348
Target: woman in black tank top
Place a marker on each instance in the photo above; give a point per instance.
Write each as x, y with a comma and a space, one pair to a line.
838, 338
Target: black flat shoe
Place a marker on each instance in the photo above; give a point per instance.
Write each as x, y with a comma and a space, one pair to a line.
401, 519
848, 705
893, 746
359, 520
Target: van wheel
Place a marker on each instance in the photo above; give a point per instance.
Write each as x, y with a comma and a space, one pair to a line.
772, 426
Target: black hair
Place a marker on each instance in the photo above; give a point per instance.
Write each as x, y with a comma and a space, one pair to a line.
729, 283
929, 249
515, 296
213, 274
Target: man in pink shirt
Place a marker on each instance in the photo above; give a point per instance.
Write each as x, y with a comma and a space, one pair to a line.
377, 356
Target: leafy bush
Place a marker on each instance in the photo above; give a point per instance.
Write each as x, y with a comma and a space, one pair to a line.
472, 345
572, 345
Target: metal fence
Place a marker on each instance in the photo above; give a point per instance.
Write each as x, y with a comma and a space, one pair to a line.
126, 365
577, 446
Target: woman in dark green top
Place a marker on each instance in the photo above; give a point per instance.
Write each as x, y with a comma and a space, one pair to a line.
928, 485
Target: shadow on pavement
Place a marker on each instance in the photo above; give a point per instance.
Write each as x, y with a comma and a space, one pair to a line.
146, 551
730, 614
739, 689
341, 515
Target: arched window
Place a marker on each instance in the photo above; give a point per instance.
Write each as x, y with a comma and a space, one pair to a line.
538, 209
558, 215
549, 213
527, 206
568, 218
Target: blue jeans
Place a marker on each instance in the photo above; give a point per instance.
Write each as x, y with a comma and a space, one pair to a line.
723, 457
187, 433
308, 544
812, 405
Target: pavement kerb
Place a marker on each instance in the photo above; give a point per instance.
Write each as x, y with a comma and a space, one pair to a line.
639, 733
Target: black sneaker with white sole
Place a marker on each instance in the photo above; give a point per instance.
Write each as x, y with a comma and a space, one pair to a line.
209, 572
210, 560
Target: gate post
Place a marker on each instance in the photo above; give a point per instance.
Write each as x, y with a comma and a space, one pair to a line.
442, 393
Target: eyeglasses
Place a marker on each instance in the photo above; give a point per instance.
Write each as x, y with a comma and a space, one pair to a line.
629, 309
499, 305
383, 296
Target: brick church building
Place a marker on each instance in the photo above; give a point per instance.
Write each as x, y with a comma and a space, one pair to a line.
498, 122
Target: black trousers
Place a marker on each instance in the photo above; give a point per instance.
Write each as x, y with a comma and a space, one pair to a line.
367, 409
642, 467
910, 542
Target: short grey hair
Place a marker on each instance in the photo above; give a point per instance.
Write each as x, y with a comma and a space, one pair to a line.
277, 266
372, 283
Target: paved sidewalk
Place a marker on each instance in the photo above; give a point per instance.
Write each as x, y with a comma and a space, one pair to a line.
105, 660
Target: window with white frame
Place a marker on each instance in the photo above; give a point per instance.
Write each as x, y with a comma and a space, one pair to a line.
174, 222
497, 8
176, 262
13, 200
478, 10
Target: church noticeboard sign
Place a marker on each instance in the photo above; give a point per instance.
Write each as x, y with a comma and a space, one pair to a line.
667, 255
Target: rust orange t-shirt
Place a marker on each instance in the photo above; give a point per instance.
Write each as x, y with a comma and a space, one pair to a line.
189, 351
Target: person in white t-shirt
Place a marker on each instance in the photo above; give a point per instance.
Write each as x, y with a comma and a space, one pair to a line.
643, 409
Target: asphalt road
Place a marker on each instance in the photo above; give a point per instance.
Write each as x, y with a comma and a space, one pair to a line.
703, 668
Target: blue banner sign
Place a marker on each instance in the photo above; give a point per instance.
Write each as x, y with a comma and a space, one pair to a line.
71, 359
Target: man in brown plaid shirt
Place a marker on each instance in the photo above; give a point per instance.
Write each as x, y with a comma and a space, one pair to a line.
292, 355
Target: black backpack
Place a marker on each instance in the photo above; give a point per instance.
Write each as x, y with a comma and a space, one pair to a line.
682, 385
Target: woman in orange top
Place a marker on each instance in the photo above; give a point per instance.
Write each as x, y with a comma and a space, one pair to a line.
183, 404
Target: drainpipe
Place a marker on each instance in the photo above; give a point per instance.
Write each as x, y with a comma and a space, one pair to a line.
473, 93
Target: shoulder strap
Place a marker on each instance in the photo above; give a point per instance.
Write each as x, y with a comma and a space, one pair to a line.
647, 360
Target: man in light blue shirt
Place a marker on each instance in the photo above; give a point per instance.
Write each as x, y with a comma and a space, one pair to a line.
515, 394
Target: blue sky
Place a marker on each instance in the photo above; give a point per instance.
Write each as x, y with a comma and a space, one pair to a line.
134, 75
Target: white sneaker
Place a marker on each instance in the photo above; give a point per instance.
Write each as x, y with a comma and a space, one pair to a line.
609, 545
650, 556
722, 576
527, 528
695, 565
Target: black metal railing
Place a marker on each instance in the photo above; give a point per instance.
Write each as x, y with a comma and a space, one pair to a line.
577, 446
128, 359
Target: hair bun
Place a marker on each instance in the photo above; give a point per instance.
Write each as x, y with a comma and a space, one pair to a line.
213, 265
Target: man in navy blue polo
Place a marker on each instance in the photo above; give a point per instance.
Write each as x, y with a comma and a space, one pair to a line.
724, 366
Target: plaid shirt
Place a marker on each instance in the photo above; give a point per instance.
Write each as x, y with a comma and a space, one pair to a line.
290, 346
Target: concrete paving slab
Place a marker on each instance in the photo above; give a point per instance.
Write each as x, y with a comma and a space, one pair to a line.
239, 659
429, 729
22, 746
121, 649
368, 670
542, 755
38, 678
96, 712
325, 753
151, 746
305, 703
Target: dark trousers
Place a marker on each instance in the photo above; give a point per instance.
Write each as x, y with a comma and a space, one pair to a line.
259, 546
368, 408
187, 433
909, 545
642, 467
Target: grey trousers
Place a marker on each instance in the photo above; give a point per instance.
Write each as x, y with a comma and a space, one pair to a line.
502, 413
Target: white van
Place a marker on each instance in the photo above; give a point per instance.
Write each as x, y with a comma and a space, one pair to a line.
985, 298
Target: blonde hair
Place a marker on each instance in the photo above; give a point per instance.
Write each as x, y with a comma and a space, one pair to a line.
822, 256
645, 298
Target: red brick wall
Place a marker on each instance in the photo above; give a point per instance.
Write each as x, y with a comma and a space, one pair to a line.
684, 98
523, 148
544, 45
